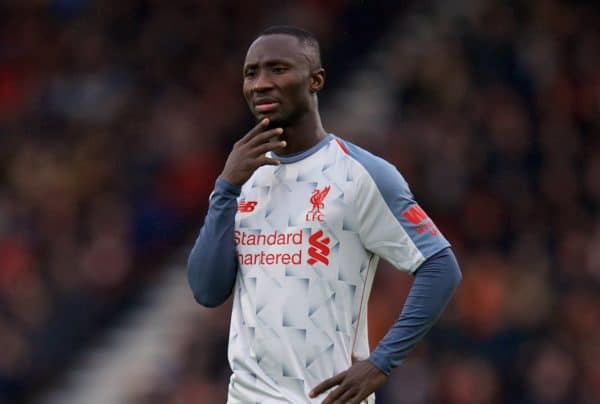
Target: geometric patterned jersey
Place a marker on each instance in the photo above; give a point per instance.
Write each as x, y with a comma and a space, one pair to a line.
308, 236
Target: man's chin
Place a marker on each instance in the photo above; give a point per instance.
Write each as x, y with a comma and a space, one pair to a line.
275, 120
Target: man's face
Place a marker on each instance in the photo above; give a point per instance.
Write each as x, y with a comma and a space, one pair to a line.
277, 79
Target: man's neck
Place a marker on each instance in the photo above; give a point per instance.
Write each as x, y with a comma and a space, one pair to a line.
303, 135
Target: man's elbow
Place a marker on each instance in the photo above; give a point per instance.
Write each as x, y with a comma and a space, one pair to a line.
208, 301
457, 277
456, 273
206, 293
210, 287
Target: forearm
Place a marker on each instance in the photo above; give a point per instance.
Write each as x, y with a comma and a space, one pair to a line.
434, 284
212, 264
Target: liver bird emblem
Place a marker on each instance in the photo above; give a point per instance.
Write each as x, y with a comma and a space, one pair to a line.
317, 197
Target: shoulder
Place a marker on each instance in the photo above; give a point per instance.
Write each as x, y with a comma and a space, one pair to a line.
377, 171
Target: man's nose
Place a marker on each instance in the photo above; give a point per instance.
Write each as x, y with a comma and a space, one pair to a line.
262, 83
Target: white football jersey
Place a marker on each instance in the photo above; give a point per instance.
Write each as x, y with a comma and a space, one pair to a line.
308, 237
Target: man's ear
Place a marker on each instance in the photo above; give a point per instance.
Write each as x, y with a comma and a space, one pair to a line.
317, 80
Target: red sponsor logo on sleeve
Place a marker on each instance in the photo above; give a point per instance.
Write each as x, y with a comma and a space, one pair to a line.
417, 217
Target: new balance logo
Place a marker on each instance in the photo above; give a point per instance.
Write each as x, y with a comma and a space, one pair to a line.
417, 216
319, 248
247, 206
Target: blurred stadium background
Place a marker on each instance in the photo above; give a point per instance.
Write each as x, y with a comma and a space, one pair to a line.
116, 117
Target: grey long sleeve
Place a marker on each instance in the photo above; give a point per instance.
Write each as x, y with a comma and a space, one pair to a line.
435, 282
212, 264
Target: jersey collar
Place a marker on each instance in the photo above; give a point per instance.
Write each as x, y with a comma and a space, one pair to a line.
292, 158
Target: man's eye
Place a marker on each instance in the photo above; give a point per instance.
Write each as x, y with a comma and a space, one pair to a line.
279, 69
249, 73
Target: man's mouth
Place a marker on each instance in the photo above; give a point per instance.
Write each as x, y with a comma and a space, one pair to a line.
265, 105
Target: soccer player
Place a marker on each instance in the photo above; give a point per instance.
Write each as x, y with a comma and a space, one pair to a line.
295, 227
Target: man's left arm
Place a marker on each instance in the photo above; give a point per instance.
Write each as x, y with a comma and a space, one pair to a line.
434, 284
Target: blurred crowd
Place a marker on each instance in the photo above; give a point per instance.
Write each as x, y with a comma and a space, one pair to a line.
116, 116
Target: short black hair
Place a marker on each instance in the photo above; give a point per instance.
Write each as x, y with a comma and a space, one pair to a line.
305, 37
